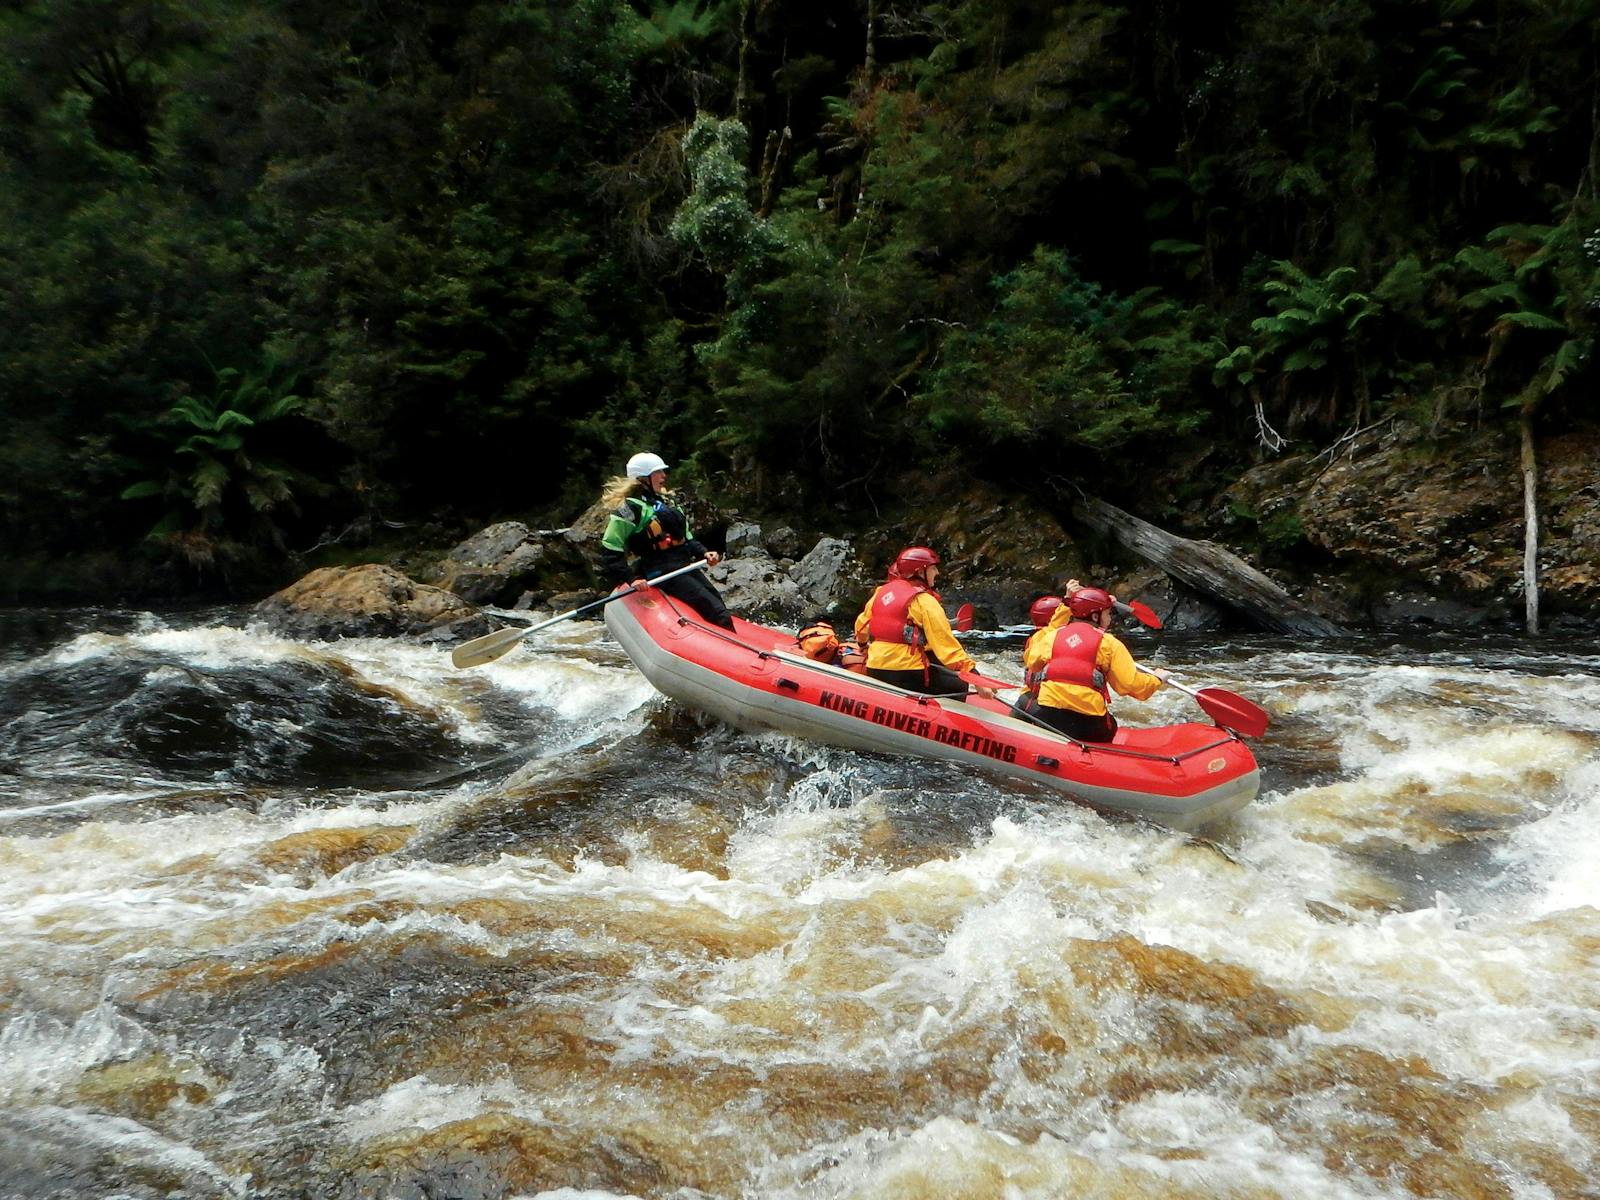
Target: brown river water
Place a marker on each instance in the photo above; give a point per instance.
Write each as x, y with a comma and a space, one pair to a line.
296, 920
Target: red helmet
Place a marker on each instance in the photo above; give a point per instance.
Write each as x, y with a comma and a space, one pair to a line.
1085, 602
912, 561
1042, 609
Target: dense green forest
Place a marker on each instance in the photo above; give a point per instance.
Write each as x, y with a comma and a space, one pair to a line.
288, 278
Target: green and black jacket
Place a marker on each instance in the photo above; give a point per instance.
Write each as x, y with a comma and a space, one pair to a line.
651, 529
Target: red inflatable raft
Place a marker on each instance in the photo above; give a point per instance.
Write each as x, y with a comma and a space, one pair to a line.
1182, 776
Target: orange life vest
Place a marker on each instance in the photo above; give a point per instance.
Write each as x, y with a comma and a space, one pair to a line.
821, 643
1072, 659
818, 641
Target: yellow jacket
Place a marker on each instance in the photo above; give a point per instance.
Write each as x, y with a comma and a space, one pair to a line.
937, 638
1113, 659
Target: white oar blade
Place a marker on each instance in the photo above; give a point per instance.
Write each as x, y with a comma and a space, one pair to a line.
492, 645
486, 648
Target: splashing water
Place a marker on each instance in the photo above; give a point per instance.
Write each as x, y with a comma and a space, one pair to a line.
287, 920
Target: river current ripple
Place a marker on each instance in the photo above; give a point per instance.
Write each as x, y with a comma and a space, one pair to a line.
281, 919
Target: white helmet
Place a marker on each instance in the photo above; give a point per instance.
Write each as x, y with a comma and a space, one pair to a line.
642, 466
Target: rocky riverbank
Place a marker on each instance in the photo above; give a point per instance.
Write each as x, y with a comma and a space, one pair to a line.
1402, 530
1388, 532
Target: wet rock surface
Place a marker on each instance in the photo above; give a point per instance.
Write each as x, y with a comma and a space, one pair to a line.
827, 574
301, 718
368, 601
510, 565
493, 560
1431, 532
1180, 609
756, 587
1393, 530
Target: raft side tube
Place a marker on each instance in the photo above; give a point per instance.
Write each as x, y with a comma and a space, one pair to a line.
1207, 774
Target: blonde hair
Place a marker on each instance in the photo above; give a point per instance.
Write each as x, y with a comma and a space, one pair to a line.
619, 489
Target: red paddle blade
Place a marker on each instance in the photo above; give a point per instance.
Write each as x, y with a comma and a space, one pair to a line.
963, 618
1233, 711
1145, 614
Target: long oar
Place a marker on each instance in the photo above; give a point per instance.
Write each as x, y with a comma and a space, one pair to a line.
977, 680
1228, 709
492, 645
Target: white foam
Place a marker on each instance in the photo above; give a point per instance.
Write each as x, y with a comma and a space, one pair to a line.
420, 1103
965, 945
1557, 852
1233, 1153
39, 1053
209, 646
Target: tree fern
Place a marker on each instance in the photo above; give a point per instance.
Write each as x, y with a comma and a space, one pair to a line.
1314, 329
206, 462
1543, 281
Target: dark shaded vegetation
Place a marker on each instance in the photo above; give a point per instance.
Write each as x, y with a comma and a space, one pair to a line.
287, 281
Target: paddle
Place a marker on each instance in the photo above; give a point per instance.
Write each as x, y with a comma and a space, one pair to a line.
1143, 612
963, 619
977, 680
1228, 709
492, 645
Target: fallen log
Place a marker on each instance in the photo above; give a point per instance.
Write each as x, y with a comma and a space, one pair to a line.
1209, 569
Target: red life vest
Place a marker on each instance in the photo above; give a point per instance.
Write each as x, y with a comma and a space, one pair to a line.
1072, 659
890, 619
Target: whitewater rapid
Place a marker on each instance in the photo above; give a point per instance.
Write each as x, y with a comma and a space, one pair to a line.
289, 919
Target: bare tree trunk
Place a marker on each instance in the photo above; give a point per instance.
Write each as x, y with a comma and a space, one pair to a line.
1530, 520
869, 78
741, 91
870, 74
1209, 569
772, 157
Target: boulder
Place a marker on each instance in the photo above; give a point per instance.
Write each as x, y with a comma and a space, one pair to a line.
493, 565
1180, 609
825, 576
585, 532
756, 588
1394, 608
369, 601
744, 539
504, 562
783, 542
562, 602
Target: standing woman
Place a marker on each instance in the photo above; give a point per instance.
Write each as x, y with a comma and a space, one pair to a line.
649, 526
